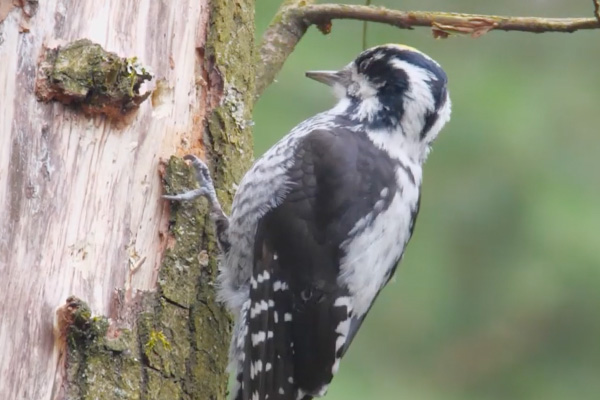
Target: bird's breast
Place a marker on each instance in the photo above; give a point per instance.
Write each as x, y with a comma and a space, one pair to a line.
371, 255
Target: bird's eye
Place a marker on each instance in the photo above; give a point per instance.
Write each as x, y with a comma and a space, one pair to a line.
364, 64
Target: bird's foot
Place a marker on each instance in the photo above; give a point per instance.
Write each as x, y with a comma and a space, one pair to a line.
206, 189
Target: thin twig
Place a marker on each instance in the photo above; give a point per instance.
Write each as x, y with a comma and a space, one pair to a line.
597, 9
316, 14
295, 16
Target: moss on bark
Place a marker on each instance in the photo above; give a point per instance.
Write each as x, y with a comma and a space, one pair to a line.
83, 74
230, 46
99, 366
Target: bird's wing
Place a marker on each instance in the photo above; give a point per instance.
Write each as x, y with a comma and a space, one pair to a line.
300, 315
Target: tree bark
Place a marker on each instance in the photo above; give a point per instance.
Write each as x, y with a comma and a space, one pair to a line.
106, 292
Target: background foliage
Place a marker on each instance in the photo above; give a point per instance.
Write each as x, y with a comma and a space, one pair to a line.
498, 294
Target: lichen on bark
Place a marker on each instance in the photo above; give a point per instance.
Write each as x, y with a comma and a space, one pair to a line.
230, 46
85, 75
195, 326
98, 365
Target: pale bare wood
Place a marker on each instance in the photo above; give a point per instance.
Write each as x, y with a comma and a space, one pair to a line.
80, 197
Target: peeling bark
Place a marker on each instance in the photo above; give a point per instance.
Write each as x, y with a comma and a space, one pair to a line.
99, 82
82, 211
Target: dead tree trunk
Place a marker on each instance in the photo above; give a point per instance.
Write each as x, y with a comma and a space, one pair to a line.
81, 216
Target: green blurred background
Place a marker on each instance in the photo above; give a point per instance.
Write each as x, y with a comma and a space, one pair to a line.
498, 296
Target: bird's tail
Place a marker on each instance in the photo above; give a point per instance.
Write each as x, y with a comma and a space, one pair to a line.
267, 360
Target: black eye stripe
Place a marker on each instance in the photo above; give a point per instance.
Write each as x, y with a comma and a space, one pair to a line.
364, 59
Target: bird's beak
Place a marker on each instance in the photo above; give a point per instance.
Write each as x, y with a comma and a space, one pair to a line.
329, 78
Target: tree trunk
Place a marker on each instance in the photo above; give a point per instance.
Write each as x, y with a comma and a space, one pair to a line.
107, 293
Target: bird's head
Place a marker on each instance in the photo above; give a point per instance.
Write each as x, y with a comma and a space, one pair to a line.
392, 88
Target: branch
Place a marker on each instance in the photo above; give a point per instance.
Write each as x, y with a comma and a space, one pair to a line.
597, 9
278, 42
316, 14
295, 16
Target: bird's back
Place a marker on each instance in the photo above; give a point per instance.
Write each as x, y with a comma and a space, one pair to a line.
261, 189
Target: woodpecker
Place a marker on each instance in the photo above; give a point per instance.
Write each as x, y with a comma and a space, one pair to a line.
321, 220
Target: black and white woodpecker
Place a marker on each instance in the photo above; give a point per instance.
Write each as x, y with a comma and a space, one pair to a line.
321, 220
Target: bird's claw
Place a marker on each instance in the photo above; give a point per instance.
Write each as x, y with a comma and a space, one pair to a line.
186, 196
205, 182
206, 189
202, 172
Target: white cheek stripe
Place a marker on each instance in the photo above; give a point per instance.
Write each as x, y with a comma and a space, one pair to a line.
418, 102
